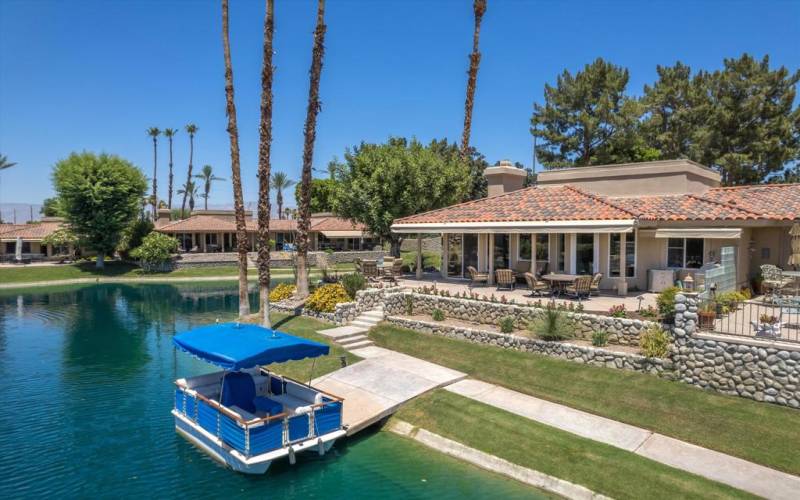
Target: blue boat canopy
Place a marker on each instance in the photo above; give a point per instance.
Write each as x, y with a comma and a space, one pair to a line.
235, 346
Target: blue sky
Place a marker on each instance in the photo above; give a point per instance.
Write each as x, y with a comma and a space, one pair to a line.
93, 75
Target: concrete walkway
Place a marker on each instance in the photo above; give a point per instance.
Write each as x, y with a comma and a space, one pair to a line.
713, 465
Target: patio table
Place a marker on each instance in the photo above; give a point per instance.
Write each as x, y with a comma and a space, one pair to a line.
795, 276
558, 282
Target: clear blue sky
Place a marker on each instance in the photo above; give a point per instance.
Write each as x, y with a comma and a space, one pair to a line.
93, 75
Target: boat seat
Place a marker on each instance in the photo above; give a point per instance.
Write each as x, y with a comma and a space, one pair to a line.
290, 403
268, 406
246, 415
239, 390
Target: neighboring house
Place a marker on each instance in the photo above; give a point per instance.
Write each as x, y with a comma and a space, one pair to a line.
618, 220
207, 231
32, 235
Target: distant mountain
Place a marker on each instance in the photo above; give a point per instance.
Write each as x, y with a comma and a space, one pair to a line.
19, 212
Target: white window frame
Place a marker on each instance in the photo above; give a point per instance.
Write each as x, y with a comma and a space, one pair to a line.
683, 266
573, 252
622, 264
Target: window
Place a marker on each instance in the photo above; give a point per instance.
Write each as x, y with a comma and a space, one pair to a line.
500, 251
584, 253
454, 254
542, 247
616, 242
561, 243
614, 254
685, 252
524, 247
630, 254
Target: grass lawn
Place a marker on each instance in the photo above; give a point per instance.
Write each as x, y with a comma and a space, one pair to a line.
600, 467
759, 432
31, 274
302, 326
428, 259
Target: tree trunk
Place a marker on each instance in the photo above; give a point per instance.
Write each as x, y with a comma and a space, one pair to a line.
189, 175
279, 200
155, 178
310, 133
169, 194
479, 7
233, 133
101, 260
394, 247
264, 147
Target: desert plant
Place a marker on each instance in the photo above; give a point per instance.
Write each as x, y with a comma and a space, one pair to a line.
409, 305
600, 338
437, 315
507, 324
767, 319
666, 302
618, 311
281, 292
551, 325
352, 283
654, 342
325, 298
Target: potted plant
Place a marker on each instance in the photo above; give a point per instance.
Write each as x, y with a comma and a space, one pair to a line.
767, 326
707, 313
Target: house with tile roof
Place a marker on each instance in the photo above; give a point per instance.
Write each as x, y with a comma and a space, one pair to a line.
629, 222
31, 237
208, 231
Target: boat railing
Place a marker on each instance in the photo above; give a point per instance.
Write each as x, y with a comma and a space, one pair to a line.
259, 435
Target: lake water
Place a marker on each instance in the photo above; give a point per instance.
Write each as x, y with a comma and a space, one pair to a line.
85, 404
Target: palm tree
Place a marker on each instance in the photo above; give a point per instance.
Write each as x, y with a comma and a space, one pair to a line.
264, 147
169, 133
236, 178
479, 7
280, 181
190, 190
154, 132
4, 164
310, 132
191, 129
207, 176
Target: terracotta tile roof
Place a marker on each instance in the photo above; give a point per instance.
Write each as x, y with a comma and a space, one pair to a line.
35, 231
771, 201
538, 203
335, 224
682, 208
217, 223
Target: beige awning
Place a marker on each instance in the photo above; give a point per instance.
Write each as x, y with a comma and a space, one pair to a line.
707, 232
342, 234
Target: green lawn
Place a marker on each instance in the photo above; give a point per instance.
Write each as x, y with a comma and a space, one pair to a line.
307, 328
600, 467
428, 259
32, 274
759, 432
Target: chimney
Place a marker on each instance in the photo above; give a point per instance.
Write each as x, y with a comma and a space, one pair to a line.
504, 177
163, 217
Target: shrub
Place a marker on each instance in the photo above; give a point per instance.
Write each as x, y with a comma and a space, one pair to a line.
618, 311
507, 324
409, 304
600, 338
666, 302
281, 292
156, 249
437, 315
352, 283
552, 325
133, 236
649, 312
654, 342
325, 298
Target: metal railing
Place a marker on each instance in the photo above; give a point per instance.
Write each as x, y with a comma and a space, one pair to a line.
772, 318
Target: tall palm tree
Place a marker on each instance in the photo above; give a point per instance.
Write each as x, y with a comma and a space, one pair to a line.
154, 132
190, 190
4, 164
236, 178
280, 181
310, 132
207, 176
191, 129
169, 133
264, 150
479, 7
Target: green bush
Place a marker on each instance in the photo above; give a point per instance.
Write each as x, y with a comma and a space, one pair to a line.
281, 292
133, 236
666, 302
325, 298
352, 283
654, 342
552, 325
409, 305
156, 249
507, 324
600, 338
437, 315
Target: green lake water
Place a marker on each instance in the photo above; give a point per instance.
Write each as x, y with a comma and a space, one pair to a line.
87, 376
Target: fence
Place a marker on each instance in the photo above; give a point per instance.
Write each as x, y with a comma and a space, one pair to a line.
776, 318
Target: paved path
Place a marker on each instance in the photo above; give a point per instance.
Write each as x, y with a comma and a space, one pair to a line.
377, 386
713, 465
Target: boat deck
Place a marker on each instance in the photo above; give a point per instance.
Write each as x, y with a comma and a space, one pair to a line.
376, 387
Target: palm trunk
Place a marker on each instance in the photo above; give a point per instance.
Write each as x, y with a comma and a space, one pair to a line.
308, 152
233, 132
205, 200
264, 147
479, 6
279, 200
155, 178
169, 194
189, 175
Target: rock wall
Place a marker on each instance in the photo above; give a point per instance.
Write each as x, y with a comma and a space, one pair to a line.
750, 368
277, 259
345, 312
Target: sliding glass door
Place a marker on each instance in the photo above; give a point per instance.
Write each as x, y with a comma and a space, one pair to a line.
584, 253
454, 253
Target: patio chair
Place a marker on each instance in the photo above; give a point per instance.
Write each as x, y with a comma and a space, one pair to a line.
394, 272
475, 277
505, 279
536, 284
594, 288
773, 280
580, 288
370, 269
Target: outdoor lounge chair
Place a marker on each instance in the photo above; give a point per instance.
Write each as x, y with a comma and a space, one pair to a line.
394, 272
580, 288
475, 277
536, 284
594, 288
773, 280
370, 269
505, 279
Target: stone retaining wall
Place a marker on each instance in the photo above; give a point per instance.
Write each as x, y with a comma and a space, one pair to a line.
620, 330
345, 312
277, 259
751, 368
578, 354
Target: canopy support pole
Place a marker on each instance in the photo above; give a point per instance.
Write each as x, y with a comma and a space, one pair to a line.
311, 376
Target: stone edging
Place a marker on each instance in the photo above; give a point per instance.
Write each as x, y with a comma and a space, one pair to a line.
492, 463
